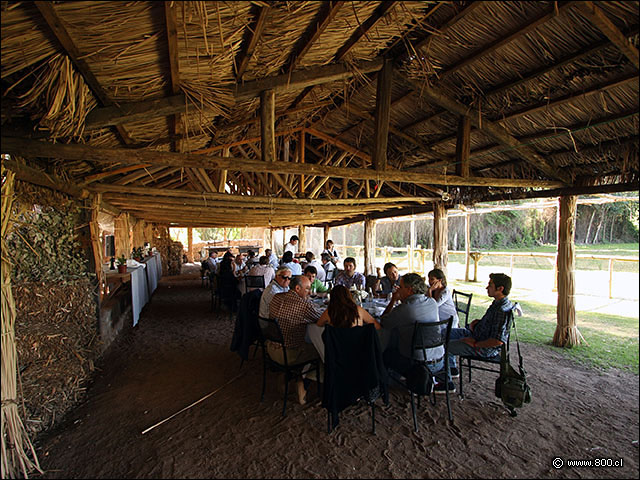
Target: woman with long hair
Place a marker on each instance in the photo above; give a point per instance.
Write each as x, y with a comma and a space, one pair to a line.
343, 311
441, 293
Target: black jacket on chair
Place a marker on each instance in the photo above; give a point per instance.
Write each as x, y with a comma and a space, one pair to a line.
353, 367
246, 330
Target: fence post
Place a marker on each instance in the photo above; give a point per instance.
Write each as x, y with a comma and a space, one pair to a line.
610, 277
409, 259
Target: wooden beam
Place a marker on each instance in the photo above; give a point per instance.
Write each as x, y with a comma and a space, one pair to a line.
58, 29
244, 56
327, 13
383, 114
117, 171
337, 143
33, 148
305, 78
606, 26
498, 133
511, 36
463, 146
380, 11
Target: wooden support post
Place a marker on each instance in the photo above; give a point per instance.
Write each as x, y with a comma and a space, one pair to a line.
369, 246
267, 122
326, 236
463, 146
412, 234
440, 237
383, 114
467, 246
566, 334
190, 244
302, 239
301, 159
611, 278
121, 233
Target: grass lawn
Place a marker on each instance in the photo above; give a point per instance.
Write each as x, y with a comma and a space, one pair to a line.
610, 340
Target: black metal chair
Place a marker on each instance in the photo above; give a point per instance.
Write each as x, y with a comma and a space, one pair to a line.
354, 370
253, 281
428, 335
462, 302
204, 273
329, 278
487, 364
271, 332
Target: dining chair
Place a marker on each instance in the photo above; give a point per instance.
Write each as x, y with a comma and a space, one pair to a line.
354, 370
253, 281
329, 278
271, 332
488, 364
462, 301
428, 335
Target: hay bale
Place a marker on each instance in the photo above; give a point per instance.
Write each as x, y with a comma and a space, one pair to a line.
57, 347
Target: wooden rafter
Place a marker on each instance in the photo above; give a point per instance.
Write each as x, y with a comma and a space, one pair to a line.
327, 13
244, 56
514, 34
58, 29
606, 26
360, 32
495, 131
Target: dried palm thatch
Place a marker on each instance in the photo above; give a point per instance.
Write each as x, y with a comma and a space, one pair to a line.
66, 97
18, 454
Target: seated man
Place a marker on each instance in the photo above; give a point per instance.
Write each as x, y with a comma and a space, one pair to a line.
279, 284
262, 268
390, 282
311, 261
287, 261
327, 264
213, 261
349, 277
294, 311
316, 285
273, 259
484, 336
399, 322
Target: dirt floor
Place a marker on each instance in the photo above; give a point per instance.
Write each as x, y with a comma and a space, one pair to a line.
179, 353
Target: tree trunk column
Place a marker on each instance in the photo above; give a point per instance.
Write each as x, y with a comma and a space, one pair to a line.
302, 239
190, 244
326, 235
369, 247
121, 232
440, 237
567, 333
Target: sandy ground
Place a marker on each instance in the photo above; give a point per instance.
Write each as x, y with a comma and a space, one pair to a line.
179, 353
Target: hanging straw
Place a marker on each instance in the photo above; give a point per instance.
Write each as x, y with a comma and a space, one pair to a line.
18, 453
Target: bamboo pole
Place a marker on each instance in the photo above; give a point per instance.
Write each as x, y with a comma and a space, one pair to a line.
440, 237
121, 231
566, 334
369, 246
18, 454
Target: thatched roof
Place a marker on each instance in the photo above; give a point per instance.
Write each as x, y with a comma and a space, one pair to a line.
157, 105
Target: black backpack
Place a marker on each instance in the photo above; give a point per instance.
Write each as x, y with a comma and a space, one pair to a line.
512, 387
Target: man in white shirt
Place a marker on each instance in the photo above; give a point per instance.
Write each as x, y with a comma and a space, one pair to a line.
273, 259
311, 261
292, 246
213, 261
279, 284
287, 261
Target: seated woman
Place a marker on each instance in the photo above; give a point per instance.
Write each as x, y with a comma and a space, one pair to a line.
343, 311
439, 291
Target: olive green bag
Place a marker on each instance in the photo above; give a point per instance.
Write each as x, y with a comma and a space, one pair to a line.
512, 387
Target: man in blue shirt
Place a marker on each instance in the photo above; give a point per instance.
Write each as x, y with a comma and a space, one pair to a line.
484, 336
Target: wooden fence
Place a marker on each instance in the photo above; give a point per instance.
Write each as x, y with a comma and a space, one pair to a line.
420, 259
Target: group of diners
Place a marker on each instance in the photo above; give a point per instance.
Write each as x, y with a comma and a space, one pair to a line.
410, 300
230, 269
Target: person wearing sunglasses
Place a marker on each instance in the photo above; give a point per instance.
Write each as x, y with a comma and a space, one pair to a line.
279, 284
